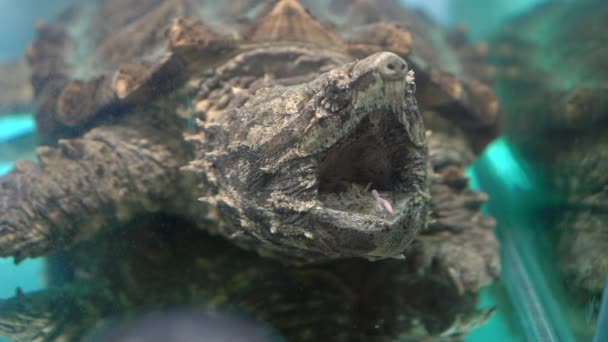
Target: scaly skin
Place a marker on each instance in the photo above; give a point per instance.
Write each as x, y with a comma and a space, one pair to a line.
265, 164
291, 139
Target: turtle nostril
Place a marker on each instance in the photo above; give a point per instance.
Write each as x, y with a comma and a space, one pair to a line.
387, 64
392, 65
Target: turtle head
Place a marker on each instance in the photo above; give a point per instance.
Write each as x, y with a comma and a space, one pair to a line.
332, 168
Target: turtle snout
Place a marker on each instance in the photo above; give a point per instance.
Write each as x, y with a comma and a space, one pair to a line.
387, 64
390, 65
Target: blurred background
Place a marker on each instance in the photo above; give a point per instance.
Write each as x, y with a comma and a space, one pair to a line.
482, 17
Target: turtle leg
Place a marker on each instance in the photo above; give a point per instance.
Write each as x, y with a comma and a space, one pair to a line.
82, 185
459, 247
54, 314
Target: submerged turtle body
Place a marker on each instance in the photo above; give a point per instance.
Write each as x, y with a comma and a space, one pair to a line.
313, 167
553, 72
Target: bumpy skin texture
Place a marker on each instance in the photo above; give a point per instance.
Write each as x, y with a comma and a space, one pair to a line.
292, 138
116, 171
569, 107
270, 158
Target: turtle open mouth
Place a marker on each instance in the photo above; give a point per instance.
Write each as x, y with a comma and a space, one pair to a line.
367, 171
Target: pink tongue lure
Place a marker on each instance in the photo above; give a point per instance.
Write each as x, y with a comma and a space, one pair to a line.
383, 202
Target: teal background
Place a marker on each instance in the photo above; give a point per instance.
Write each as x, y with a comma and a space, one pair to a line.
18, 18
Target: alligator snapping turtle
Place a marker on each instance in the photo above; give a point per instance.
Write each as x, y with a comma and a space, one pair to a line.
167, 145
571, 107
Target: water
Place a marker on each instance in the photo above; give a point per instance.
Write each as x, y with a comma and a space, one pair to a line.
137, 236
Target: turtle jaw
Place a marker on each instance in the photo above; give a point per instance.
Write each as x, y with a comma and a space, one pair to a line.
371, 186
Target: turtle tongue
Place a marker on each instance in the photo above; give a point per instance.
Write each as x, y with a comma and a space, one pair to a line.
382, 202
